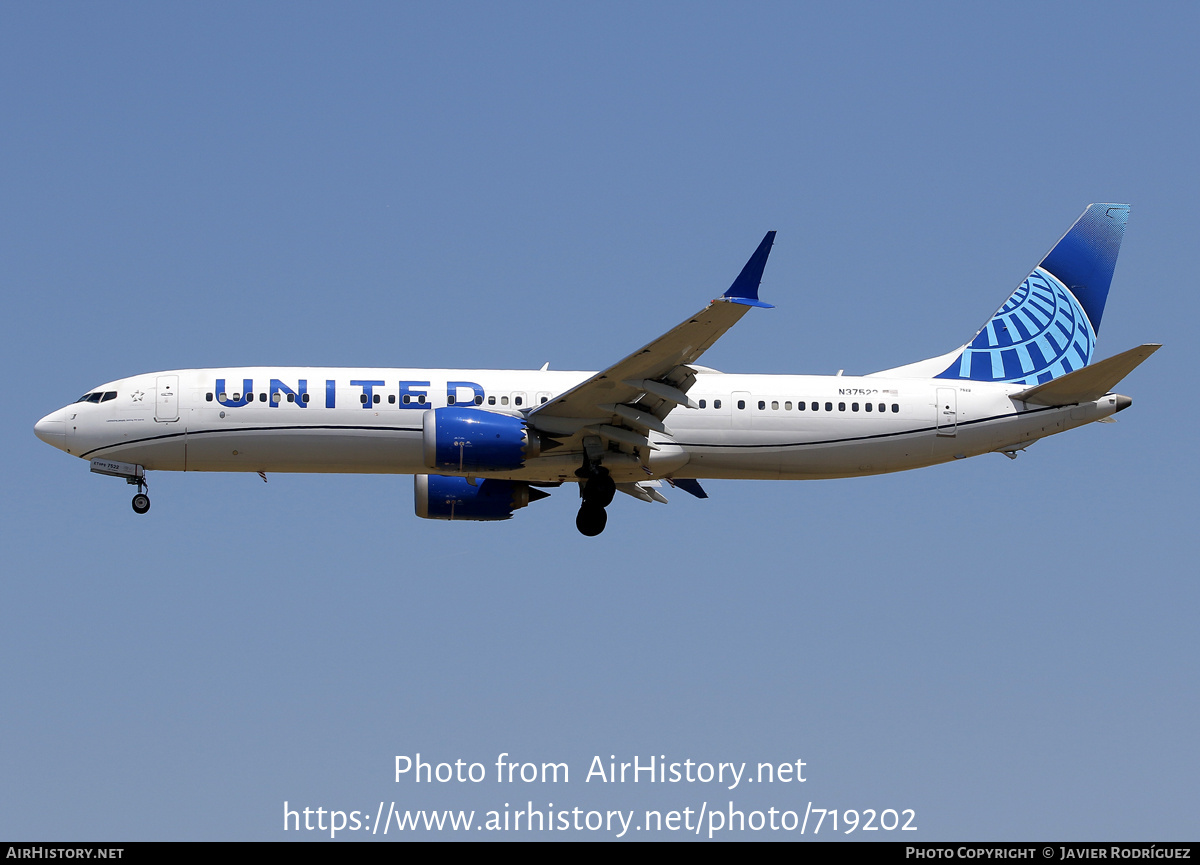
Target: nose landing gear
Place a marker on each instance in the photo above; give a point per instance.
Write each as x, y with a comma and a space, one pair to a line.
141, 501
133, 474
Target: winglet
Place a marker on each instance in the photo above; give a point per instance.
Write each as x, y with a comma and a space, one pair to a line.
688, 485
745, 288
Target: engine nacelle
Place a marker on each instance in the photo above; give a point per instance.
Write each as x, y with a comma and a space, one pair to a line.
471, 439
450, 498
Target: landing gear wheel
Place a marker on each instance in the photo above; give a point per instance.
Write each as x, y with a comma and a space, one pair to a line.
591, 519
141, 503
600, 489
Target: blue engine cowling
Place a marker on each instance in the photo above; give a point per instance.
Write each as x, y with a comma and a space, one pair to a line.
451, 498
471, 439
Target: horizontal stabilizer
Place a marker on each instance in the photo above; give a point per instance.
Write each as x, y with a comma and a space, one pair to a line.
1089, 383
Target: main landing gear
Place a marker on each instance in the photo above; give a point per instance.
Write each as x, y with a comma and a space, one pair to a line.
597, 492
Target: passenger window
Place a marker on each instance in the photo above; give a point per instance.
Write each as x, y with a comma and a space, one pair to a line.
376, 400
543, 401
491, 400
262, 397
406, 399
291, 397
869, 406
741, 404
787, 406
853, 406
236, 398
774, 405
828, 406
761, 405
450, 399
478, 400
503, 400
391, 399
208, 397
421, 399
716, 403
895, 408
362, 397
516, 400
275, 398
841, 406
703, 404
304, 397
801, 406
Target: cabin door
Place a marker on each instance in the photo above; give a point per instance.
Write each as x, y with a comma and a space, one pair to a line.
947, 411
166, 398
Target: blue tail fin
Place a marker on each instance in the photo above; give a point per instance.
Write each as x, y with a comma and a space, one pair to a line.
1048, 327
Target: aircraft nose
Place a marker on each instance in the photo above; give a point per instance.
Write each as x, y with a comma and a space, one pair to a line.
52, 430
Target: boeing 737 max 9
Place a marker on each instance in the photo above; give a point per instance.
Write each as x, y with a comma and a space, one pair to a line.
483, 443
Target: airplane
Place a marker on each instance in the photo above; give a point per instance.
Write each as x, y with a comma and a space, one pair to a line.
483, 444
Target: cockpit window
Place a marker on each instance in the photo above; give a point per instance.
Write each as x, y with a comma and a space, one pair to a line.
98, 396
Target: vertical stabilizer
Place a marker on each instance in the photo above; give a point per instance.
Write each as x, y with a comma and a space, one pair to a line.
1047, 328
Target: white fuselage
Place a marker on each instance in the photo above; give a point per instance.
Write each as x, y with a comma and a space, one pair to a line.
370, 420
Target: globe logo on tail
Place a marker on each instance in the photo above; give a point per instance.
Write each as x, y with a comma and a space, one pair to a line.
1039, 334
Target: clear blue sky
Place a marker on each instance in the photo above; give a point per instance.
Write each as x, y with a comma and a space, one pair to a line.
1008, 648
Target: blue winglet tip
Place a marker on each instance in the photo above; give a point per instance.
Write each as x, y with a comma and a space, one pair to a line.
688, 485
745, 287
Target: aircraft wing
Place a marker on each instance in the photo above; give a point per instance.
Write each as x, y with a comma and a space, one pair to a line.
629, 399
